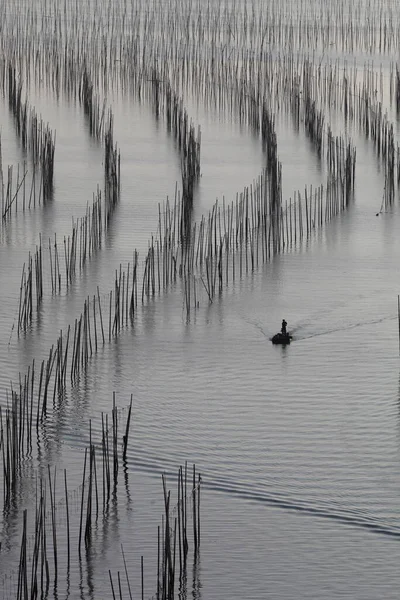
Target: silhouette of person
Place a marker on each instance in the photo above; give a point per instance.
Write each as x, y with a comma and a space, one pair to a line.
283, 328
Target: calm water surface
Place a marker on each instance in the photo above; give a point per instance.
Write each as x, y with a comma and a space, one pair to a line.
298, 447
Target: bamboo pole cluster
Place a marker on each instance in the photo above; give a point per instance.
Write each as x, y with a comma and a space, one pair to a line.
96, 480
169, 104
112, 171
32, 274
174, 544
89, 329
268, 136
28, 407
85, 239
86, 231
341, 160
15, 441
79, 247
39, 564
296, 29
172, 541
47, 148
214, 61
236, 239
94, 112
63, 265
123, 303
360, 104
235, 80
34, 135
17, 428
395, 85
36, 571
313, 118
11, 193
190, 166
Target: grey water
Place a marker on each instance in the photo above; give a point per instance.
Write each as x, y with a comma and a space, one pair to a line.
298, 447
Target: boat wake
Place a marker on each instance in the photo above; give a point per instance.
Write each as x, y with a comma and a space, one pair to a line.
344, 516
299, 336
298, 333
320, 508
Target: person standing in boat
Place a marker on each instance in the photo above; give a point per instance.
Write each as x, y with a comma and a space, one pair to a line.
283, 328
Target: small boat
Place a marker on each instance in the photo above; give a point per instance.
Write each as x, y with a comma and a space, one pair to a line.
281, 338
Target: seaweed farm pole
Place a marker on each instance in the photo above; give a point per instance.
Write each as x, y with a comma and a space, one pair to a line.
101, 316
126, 572
142, 578
53, 519
67, 514
112, 585
125, 437
194, 510
398, 317
22, 591
158, 559
198, 509
83, 495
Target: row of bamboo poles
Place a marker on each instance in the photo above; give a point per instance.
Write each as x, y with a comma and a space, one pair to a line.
100, 479
251, 230
215, 73
17, 426
254, 222
232, 241
94, 111
143, 35
139, 48
283, 78
172, 542
168, 104
172, 105
20, 189
42, 560
304, 89
89, 229
35, 136
38, 141
69, 356
79, 247
59, 534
